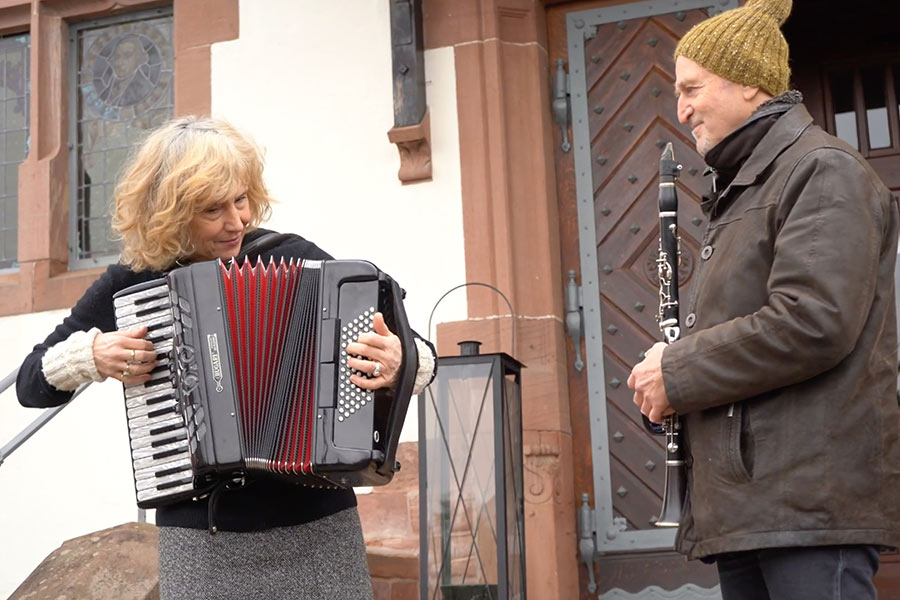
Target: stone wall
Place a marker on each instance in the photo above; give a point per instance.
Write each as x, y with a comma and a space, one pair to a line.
390, 521
119, 562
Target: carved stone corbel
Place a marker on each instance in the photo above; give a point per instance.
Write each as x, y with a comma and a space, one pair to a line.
414, 144
411, 131
541, 470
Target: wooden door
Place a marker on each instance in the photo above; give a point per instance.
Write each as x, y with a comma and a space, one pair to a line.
621, 77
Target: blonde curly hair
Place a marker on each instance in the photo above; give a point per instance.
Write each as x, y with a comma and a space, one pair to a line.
182, 168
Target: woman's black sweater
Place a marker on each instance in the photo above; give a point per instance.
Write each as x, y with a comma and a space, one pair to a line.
262, 504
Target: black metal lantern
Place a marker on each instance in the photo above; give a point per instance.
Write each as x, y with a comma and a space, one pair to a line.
471, 499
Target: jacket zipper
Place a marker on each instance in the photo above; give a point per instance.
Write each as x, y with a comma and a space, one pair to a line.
693, 298
715, 181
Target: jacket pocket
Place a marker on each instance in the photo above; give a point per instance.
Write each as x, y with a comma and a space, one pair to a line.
740, 444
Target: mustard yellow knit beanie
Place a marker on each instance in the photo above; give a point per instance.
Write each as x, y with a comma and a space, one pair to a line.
744, 45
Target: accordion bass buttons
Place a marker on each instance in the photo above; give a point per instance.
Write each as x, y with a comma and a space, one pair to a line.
352, 398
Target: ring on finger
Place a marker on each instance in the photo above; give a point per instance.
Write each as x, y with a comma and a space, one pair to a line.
132, 355
376, 372
125, 373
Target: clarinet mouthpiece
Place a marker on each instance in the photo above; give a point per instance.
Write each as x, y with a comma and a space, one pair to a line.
668, 152
668, 166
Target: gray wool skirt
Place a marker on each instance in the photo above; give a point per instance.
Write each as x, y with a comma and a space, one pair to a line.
323, 559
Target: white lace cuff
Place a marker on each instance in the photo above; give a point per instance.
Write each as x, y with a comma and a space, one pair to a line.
426, 367
70, 363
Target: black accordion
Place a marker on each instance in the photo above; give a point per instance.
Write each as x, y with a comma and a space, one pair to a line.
252, 377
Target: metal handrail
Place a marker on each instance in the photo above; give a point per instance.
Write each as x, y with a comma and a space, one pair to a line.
45, 417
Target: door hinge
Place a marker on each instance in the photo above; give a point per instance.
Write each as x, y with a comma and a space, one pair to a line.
587, 543
575, 318
562, 105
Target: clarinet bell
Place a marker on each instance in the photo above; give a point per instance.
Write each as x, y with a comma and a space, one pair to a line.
673, 494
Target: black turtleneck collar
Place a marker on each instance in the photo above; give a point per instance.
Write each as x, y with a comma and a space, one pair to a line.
726, 158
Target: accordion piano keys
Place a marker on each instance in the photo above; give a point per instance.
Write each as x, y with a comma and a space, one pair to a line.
159, 441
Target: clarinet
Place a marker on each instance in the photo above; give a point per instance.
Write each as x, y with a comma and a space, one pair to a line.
667, 269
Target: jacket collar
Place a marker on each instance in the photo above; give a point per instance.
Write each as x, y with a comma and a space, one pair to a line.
780, 136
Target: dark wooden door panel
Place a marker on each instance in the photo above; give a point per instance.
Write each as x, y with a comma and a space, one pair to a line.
629, 78
622, 56
615, 169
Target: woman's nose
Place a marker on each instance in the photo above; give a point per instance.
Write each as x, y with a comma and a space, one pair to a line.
235, 221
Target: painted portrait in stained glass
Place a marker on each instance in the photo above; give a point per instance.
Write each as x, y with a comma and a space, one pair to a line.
124, 71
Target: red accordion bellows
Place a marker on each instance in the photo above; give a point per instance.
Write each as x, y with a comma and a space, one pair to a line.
260, 300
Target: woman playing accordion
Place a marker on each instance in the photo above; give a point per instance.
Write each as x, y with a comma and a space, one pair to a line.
194, 192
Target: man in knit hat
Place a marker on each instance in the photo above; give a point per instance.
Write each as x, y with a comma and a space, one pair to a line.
785, 376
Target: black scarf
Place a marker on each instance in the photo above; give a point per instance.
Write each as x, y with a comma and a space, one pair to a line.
726, 158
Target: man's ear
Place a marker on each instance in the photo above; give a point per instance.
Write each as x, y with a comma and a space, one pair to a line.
753, 93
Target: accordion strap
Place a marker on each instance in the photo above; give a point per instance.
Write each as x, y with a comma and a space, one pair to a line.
266, 241
212, 504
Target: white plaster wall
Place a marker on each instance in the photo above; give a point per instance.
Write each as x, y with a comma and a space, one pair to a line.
313, 87
72, 477
311, 81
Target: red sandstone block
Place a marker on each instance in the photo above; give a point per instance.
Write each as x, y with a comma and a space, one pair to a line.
387, 563
405, 590
384, 516
382, 589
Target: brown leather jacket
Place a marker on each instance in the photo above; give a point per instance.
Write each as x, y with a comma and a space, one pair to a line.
786, 374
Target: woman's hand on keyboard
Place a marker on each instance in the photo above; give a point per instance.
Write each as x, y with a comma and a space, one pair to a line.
124, 355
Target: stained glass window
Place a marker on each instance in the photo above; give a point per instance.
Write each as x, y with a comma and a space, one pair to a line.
123, 68
14, 98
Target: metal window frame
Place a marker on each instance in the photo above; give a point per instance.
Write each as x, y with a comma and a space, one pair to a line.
14, 268
75, 29
610, 534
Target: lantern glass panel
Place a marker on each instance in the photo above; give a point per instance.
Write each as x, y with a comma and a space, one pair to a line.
460, 505
515, 520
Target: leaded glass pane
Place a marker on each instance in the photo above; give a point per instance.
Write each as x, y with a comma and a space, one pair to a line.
124, 70
14, 99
